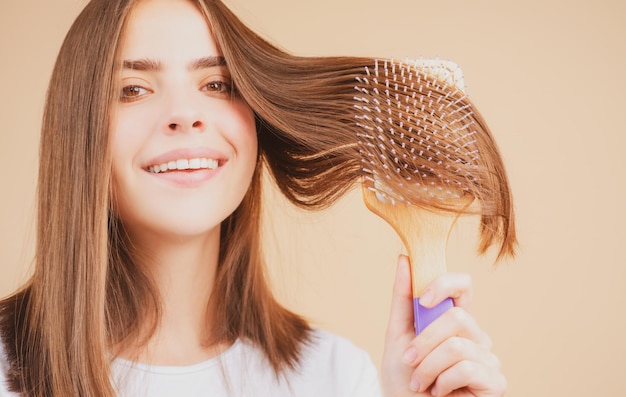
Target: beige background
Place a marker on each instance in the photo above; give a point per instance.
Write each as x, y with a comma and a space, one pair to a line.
549, 78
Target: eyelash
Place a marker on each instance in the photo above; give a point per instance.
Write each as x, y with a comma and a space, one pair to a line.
220, 87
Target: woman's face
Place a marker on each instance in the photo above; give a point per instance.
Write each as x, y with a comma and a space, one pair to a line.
184, 145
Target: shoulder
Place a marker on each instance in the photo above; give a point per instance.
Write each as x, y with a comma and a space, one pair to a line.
326, 345
347, 369
330, 365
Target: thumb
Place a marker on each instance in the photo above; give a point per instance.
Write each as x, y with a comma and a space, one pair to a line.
395, 374
401, 314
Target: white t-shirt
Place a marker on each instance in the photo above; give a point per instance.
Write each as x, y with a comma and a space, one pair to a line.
331, 366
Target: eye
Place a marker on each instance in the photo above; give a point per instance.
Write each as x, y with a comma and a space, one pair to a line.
132, 92
219, 87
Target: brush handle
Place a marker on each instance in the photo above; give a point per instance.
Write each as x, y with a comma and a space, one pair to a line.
424, 316
425, 235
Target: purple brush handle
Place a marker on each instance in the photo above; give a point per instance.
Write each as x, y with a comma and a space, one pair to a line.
425, 316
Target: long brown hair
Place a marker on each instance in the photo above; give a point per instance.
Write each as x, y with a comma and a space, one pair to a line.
87, 295
309, 134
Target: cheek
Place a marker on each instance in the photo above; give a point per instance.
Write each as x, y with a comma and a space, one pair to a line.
129, 131
239, 129
126, 138
119, 181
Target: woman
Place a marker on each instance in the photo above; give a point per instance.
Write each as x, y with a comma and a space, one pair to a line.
149, 278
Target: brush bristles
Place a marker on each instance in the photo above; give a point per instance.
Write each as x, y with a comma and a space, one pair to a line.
418, 136
421, 142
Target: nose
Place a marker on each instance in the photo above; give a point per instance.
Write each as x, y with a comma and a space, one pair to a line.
184, 115
183, 125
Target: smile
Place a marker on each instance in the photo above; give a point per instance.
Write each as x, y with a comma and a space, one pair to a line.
184, 164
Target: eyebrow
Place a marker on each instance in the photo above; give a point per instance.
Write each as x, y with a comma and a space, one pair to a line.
207, 62
151, 65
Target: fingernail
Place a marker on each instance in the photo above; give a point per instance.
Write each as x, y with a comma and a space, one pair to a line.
409, 355
414, 385
427, 298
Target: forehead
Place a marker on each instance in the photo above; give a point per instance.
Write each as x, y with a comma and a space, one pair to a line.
167, 29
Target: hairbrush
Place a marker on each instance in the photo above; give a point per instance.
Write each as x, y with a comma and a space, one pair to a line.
421, 144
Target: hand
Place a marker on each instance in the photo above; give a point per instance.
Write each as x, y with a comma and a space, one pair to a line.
451, 357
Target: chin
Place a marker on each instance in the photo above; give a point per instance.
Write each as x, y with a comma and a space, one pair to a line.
192, 225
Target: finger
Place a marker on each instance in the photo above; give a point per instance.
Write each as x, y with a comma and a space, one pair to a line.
401, 314
478, 379
455, 322
446, 355
449, 285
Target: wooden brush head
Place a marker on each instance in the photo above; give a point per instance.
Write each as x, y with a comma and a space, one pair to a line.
424, 232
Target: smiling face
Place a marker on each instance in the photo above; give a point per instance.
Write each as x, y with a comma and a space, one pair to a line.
184, 144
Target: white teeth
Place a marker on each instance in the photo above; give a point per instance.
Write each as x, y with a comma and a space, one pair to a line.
194, 164
185, 164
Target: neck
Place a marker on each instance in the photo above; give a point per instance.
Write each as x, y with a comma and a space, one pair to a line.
184, 272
